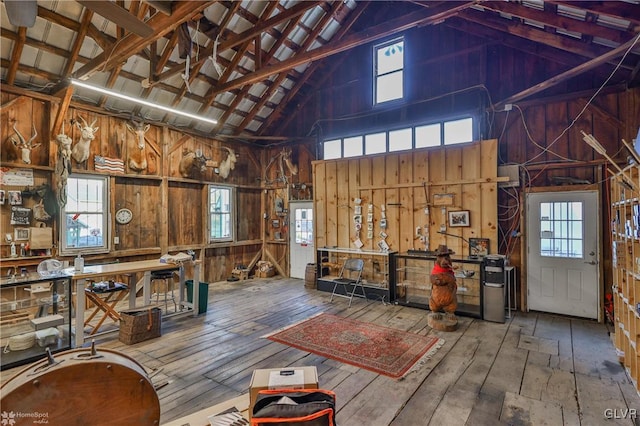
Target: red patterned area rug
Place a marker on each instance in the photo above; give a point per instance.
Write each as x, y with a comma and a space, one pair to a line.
383, 350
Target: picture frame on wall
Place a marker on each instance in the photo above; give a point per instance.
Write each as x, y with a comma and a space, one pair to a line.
15, 198
478, 246
21, 234
459, 218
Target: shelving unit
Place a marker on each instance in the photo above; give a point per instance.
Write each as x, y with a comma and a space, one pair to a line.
625, 229
377, 276
413, 287
35, 314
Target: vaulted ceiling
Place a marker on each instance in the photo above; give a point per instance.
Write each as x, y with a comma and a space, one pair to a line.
242, 62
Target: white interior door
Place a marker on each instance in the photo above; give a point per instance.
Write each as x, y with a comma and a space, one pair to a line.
562, 262
301, 246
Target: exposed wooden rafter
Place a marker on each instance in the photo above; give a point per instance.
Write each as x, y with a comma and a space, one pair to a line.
615, 53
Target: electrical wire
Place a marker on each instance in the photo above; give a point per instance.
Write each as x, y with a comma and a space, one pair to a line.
590, 99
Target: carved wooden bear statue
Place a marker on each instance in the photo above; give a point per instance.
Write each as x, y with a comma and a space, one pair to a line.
443, 283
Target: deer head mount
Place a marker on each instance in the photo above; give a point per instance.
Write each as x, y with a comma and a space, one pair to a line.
80, 151
192, 163
227, 164
20, 147
137, 157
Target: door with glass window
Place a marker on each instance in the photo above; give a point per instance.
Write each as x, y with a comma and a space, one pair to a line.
563, 271
302, 250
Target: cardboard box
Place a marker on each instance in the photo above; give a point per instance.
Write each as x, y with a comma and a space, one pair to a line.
265, 274
293, 378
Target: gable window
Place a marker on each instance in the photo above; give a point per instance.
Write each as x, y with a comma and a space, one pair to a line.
85, 224
389, 71
220, 213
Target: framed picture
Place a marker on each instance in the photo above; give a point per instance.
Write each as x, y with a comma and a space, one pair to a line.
21, 234
15, 198
1, 196
478, 246
459, 218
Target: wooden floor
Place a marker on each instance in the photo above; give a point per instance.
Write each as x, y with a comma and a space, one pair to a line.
536, 369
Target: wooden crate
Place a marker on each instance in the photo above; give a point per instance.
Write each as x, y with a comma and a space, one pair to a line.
139, 324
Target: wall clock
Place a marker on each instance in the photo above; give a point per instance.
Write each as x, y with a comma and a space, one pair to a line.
124, 216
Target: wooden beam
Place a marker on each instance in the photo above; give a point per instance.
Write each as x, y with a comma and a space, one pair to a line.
530, 47
248, 35
131, 44
276, 115
18, 46
532, 33
615, 9
568, 74
72, 56
374, 33
65, 100
557, 21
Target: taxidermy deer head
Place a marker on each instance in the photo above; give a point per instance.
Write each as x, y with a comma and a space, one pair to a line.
20, 147
137, 157
192, 163
80, 151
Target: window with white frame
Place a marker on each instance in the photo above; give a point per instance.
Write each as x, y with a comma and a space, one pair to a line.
445, 132
389, 71
85, 224
220, 213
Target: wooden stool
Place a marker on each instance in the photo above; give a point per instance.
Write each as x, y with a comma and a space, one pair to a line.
115, 292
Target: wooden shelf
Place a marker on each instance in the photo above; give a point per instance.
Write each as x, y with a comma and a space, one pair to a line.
626, 281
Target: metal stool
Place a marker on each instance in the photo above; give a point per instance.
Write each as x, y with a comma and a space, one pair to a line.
166, 277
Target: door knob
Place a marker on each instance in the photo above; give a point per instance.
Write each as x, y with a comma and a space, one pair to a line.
592, 262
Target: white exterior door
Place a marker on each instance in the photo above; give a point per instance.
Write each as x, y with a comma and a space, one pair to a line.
563, 272
301, 235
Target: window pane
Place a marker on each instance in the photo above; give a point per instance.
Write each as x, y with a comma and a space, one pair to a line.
389, 87
353, 146
400, 140
304, 226
220, 212
332, 149
428, 136
85, 225
375, 143
390, 58
458, 131
561, 229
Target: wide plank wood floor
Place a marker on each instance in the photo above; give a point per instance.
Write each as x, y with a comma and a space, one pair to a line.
536, 369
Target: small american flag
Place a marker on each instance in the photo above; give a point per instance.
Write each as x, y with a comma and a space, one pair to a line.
111, 165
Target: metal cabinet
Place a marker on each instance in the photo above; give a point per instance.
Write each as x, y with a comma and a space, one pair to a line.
35, 315
413, 287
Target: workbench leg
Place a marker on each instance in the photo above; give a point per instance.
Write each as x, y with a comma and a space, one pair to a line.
80, 306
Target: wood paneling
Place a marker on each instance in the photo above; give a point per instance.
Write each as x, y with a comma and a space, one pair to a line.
394, 181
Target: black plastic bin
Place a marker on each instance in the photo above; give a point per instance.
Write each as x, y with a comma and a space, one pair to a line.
203, 295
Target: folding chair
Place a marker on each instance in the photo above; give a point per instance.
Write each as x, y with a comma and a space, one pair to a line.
350, 269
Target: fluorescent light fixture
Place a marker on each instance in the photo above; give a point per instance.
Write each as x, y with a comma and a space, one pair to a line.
140, 101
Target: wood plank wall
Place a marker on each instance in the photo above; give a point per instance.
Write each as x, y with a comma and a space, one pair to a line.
400, 182
169, 210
